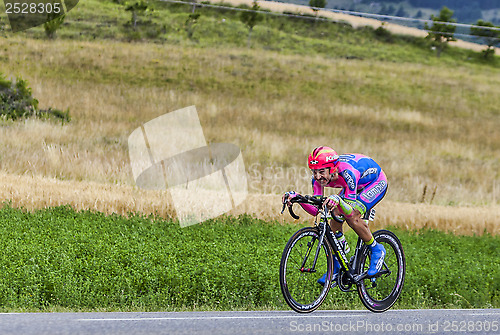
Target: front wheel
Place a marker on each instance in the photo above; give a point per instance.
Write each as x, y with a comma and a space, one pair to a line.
381, 294
299, 274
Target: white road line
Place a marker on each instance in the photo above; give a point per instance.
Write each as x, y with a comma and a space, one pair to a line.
226, 317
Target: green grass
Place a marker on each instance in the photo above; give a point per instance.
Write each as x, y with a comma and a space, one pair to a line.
58, 259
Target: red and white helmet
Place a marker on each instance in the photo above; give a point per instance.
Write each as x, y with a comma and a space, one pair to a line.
323, 157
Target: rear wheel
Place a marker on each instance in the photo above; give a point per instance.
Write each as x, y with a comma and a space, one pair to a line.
380, 295
298, 278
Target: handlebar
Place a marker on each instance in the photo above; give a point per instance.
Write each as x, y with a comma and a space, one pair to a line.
316, 201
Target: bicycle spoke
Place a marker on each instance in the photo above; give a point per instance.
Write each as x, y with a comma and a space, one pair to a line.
381, 293
302, 289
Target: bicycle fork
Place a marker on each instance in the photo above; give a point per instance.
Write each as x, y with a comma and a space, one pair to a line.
318, 250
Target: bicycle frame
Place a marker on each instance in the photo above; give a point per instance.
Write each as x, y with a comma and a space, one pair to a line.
353, 274
338, 250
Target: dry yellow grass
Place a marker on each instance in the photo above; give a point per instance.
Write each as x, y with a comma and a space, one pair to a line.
355, 21
31, 193
35, 192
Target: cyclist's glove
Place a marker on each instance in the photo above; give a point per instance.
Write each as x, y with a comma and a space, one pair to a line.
335, 200
288, 196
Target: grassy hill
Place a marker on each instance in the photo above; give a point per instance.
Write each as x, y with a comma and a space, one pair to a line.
167, 23
431, 122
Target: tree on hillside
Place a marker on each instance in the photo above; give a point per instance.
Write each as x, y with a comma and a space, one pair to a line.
491, 37
441, 33
17, 102
138, 7
316, 4
401, 12
54, 22
190, 24
387, 10
251, 18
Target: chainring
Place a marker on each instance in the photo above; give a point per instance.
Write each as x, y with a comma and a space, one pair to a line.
344, 282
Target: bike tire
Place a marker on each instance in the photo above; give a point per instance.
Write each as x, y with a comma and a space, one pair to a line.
388, 286
300, 289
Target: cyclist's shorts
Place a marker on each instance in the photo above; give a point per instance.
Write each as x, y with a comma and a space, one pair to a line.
373, 192
370, 195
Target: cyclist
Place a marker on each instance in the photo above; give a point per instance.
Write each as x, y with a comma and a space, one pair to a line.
363, 185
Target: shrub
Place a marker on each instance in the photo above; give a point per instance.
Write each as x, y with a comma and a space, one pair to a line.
383, 34
16, 101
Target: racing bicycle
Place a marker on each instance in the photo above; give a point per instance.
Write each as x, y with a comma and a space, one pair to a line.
310, 253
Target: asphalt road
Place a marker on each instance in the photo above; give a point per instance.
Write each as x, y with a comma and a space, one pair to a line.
442, 321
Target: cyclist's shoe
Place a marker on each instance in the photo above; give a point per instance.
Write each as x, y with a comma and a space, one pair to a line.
377, 259
322, 280
336, 268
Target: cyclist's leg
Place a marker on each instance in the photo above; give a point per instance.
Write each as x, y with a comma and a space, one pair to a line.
336, 227
368, 198
360, 226
354, 220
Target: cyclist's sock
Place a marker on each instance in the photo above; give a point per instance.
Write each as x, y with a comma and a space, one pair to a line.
371, 243
341, 237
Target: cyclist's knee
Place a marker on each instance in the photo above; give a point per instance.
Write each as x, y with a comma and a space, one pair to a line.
354, 219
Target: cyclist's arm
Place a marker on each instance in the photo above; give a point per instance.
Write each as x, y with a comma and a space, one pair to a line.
317, 190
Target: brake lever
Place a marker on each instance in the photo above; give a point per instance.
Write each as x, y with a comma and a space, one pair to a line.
290, 210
